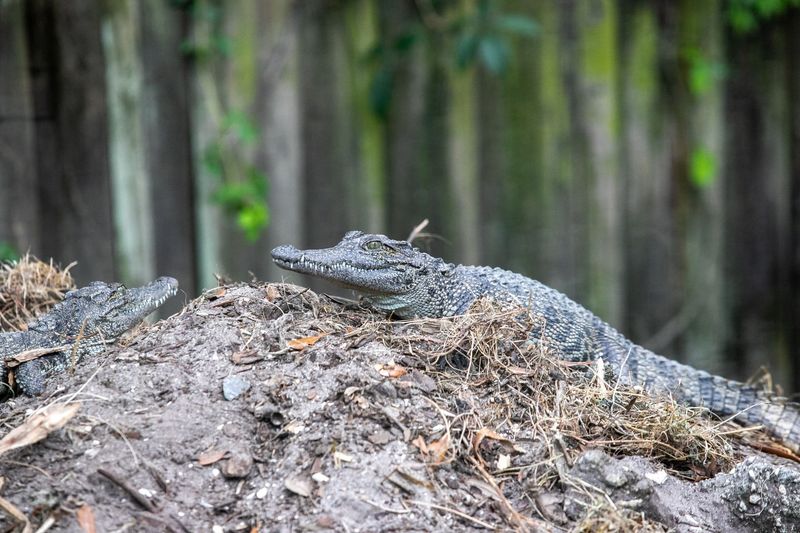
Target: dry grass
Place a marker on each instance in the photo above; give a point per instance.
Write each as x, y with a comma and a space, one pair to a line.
29, 288
512, 411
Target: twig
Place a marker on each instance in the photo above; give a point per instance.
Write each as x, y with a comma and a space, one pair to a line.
404, 510
417, 230
133, 493
455, 512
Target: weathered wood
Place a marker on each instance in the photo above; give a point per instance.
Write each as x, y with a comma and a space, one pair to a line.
648, 113
130, 186
167, 138
277, 111
69, 98
19, 206
753, 170
792, 296
326, 128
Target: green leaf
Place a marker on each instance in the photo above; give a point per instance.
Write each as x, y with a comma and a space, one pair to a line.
380, 91
212, 159
494, 53
703, 72
242, 126
702, 167
517, 24
742, 20
258, 182
405, 41
466, 49
252, 219
7, 252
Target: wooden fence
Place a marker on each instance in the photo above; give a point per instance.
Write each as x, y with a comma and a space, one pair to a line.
642, 156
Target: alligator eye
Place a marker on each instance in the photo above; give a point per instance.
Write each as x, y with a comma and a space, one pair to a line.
374, 245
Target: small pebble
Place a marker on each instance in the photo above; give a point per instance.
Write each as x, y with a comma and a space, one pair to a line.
238, 465
234, 386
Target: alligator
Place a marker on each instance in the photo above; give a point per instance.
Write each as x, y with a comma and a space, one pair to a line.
81, 325
401, 280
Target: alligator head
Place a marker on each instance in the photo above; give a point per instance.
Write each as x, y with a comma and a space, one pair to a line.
84, 322
393, 275
105, 309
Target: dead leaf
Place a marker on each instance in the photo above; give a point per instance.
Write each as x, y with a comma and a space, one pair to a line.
437, 450
211, 456
420, 443
391, 370
85, 517
299, 485
303, 342
219, 292
486, 433
272, 293
39, 425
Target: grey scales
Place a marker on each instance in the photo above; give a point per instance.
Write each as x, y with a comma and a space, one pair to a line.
81, 325
397, 278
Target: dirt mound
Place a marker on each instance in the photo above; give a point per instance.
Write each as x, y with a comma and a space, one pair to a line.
270, 408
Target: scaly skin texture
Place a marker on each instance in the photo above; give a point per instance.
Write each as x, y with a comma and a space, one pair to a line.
398, 278
81, 325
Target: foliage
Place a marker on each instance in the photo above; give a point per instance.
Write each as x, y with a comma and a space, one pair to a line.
7, 252
702, 167
479, 35
704, 71
744, 16
483, 35
242, 187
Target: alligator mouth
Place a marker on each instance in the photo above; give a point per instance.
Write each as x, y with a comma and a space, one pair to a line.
304, 265
172, 291
167, 292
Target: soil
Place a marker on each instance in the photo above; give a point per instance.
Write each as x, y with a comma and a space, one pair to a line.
330, 427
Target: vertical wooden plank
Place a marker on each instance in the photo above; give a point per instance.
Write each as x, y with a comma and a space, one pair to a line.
328, 166
237, 86
206, 116
361, 34
599, 65
647, 131
793, 252
492, 163
405, 196
19, 208
754, 193
167, 143
558, 206
130, 187
463, 164
277, 112
72, 136
700, 325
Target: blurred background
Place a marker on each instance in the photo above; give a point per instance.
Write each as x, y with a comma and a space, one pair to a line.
642, 156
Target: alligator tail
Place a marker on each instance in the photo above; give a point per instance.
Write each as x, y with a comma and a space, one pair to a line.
727, 398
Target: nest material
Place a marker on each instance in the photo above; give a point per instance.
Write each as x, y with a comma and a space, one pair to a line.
496, 388
29, 288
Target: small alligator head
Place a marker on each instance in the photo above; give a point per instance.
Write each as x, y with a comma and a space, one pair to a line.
394, 276
88, 318
106, 309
